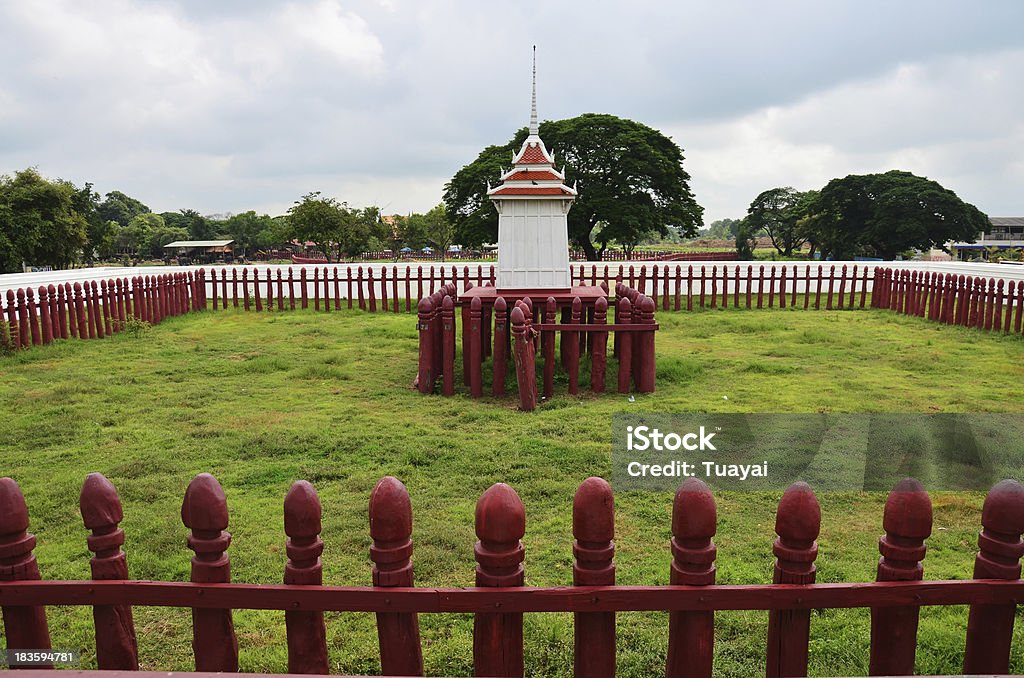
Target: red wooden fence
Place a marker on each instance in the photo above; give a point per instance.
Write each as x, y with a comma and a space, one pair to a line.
525, 332
96, 309
500, 598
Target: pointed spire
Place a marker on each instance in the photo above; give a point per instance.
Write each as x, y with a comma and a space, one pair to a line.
534, 127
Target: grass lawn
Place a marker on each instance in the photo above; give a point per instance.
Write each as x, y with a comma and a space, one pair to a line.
262, 400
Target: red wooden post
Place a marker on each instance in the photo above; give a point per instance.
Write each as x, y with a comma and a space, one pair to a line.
654, 281
782, 287
100, 505
316, 288
280, 291
44, 315
990, 627
394, 288
307, 636
245, 288
750, 283
736, 287
997, 314
13, 326
33, 324
59, 312
1010, 288
1019, 304
224, 286
213, 283
990, 300
205, 512
664, 286
831, 286
83, 323
448, 343
500, 525
257, 296
327, 288
691, 635
573, 352
646, 364
760, 286
372, 292
689, 288
475, 348
703, 284
863, 289
120, 304
499, 365
599, 348
303, 288
548, 348
524, 361
714, 287
96, 309
807, 286
678, 281
907, 523
797, 522
337, 289
359, 287
24, 627
291, 289
425, 378
234, 287
105, 298
408, 288
593, 529
624, 314
398, 633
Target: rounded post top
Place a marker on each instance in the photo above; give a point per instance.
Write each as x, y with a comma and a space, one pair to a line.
646, 304
550, 304
694, 514
518, 317
1003, 510
475, 304
51, 289
798, 518
205, 507
624, 305
425, 305
390, 510
13, 510
500, 305
601, 305
99, 502
447, 304
302, 510
593, 511
500, 516
10, 295
908, 510
577, 305
21, 293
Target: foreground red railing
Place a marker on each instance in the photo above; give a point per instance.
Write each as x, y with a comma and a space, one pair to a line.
499, 599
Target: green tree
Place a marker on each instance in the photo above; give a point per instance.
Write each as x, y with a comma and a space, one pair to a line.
883, 215
159, 236
630, 178
249, 231
318, 220
39, 224
746, 239
722, 229
135, 238
779, 211
438, 230
120, 208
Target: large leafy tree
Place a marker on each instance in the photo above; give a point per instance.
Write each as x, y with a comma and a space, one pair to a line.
885, 214
779, 211
39, 223
630, 177
333, 226
121, 208
249, 231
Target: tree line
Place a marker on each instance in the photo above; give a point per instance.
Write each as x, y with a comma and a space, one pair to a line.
54, 223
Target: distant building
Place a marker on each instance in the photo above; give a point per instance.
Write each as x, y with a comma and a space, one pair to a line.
205, 251
1007, 233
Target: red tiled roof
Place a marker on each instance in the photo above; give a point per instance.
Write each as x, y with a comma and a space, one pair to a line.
531, 190
532, 156
528, 175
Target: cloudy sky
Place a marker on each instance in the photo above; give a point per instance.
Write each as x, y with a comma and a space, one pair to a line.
237, 104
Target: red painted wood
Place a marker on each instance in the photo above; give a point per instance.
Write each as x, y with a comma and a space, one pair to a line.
691, 634
448, 346
807, 286
13, 324
842, 286
689, 288
523, 356
750, 283
654, 283
33, 321
213, 283
24, 625
499, 365
280, 290
83, 323
864, 288
205, 512
782, 287
100, 506
391, 530
990, 627
646, 367
425, 375
552, 599
547, 339
467, 337
245, 289
97, 310
476, 386
797, 524
572, 341
45, 321
714, 287
599, 350
59, 313
907, 522
224, 286
370, 291
500, 524
69, 300
303, 290
664, 286
307, 635
678, 282
316, 288
624, 314
106, 300
593, 529
408, 289
703, 283
348, 283
256, 294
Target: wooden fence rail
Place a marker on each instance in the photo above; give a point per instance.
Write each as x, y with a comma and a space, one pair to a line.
96, 309
500, 599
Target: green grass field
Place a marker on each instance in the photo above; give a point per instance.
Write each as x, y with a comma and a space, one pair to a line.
262, 400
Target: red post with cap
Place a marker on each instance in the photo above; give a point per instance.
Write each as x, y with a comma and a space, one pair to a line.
499, 365
624, 315
797, 524
524, 360
990, 627
307, 635
398, 633
691, 635
599, 347
907, 522
448, 346
24, 626
593, 529
500, 525
547, 340
205, 512
475, 348
425, 315
100, 505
